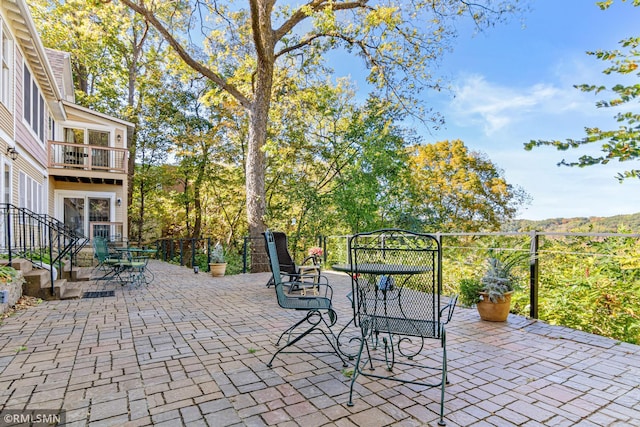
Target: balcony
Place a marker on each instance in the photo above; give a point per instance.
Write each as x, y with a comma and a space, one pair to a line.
87, 163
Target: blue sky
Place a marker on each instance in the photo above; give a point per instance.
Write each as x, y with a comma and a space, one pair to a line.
514, 83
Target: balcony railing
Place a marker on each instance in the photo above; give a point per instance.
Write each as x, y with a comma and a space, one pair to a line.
87, 157
110, 231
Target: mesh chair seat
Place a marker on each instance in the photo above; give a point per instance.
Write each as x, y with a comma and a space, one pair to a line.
306, 303
402, 326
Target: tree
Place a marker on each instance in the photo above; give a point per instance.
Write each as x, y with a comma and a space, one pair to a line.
368, 189
118, 63
246, 52
458, 190
622, 143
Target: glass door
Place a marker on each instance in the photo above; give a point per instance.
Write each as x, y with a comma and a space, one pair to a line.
74, 214
99, 156
99, 212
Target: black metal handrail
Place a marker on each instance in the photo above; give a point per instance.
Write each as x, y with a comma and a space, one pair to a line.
37, 237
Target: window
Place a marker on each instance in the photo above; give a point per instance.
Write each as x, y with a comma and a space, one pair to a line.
35, 111
6, 58
26, 88
6, 183
29, 193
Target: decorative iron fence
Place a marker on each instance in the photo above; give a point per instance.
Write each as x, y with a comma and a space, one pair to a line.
39, 238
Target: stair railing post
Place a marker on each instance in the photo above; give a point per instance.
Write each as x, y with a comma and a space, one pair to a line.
8, 219
51, 266
245, 261
533, 275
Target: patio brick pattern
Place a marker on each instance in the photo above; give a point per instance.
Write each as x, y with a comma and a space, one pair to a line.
191, 349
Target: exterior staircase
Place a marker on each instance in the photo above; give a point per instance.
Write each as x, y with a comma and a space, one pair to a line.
38, 281
32, 242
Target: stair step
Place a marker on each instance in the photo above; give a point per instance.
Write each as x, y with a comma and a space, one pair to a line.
19, 264
35, 280
82, 274
71, 291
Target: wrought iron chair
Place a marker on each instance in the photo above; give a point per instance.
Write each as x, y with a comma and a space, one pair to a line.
319, 314
298, 274
107, 262
397, 304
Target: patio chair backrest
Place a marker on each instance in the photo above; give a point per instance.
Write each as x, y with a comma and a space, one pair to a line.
274, 263
396, 282
100, 249
285, 260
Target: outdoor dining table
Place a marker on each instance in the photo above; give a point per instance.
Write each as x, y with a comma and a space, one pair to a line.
132, 268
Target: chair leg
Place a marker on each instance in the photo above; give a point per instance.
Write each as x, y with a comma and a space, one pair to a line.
313, 318
356, 369
444, 379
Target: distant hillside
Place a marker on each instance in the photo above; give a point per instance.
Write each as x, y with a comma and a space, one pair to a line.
594, 224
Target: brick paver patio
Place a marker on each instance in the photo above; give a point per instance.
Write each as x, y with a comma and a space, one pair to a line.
192, 350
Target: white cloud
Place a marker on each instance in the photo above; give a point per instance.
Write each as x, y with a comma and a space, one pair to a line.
495, 108
499, 118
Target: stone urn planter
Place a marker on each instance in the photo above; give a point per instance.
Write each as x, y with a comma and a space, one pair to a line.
492, 293
494, 311
217, 269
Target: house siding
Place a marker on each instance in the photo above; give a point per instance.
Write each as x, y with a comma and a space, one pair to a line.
6, 120
24, 136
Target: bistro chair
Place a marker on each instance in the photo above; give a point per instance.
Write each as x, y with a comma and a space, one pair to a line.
397, 305
307, 272
107, 261
319, 315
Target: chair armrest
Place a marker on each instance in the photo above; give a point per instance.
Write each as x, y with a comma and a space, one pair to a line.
322, 282
313, 259
453, 300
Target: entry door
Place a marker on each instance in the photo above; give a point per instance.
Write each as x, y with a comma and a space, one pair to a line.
99, 212
79, 212
74, 216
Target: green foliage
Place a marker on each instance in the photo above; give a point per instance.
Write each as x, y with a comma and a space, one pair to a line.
217, 254
8, 274
455, 189
470, 289
592, 285
496, 280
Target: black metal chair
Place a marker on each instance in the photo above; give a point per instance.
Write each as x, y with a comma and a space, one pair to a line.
307, 273
397, 304
319, 313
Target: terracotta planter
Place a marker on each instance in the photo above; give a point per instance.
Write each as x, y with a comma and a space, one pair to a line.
217, 269
494, 311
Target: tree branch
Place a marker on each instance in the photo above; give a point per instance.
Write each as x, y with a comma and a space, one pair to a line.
186, 57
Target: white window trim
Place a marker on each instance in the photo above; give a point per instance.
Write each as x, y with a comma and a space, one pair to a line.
6, 93
60, 195
26, 199
42, 141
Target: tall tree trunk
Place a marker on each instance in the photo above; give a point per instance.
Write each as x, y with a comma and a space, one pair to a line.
255, 172
264, 40
197, 203
141, 213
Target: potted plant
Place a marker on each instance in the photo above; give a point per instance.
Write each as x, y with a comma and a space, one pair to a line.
492, 293
217, 264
